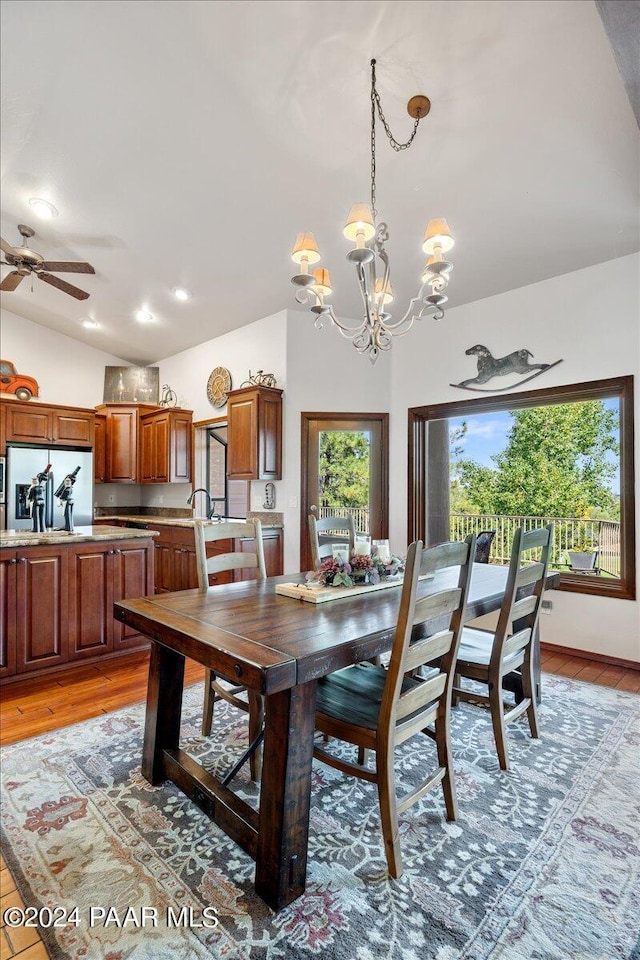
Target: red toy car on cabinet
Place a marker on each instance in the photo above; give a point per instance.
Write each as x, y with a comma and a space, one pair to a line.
20, 384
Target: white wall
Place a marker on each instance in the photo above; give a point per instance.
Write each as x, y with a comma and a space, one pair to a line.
590, 319
67, 370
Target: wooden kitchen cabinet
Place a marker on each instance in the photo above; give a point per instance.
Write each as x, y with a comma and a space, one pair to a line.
8, 619
175, 557
272, 544
102, 573
132, 577
121, 441
42, 605
57, 602
166, 447
145, 444
40, 423
100, 449
255, 434
91, 600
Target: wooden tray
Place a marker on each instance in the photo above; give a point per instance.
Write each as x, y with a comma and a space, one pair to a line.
321, 594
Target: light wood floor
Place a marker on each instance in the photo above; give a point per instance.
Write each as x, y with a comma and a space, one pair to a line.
32, 707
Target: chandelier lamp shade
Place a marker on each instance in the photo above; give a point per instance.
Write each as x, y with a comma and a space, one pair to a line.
368, 255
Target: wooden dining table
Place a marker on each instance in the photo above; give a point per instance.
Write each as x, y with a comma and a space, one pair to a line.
278, 647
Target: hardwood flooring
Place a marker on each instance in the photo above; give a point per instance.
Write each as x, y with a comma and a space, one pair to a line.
36, 706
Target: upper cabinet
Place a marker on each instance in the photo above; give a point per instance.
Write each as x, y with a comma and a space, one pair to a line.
166, 447
147, 445
100, 449
39, 423
255, 434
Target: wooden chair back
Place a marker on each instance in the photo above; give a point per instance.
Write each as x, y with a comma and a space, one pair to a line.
233, 560
519, 616
336, 529
401, 713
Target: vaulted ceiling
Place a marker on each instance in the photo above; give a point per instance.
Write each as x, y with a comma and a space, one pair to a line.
185, 143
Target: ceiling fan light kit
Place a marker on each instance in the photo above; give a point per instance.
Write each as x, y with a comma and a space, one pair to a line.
377, 328
27, 262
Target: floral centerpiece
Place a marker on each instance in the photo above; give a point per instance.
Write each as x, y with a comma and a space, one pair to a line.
360, 568
389, 567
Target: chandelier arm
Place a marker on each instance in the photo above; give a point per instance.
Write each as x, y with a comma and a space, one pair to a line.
365, 293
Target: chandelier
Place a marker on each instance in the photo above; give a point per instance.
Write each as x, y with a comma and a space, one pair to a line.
377, 328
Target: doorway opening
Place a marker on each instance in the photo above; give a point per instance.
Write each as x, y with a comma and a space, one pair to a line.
345, 471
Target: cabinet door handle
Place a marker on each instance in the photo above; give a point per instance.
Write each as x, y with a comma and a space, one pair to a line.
21, 560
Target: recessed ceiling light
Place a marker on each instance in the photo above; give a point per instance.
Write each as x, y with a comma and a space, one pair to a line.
181, 294
89, 323
143, 316
43, 208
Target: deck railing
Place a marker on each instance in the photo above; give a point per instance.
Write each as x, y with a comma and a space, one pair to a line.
569, 533
602, 535
360, 515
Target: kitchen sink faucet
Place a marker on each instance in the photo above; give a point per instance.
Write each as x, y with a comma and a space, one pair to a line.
212, 514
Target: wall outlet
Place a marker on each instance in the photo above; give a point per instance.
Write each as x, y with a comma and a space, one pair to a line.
160, 500
546, 606
293, 502
111, 498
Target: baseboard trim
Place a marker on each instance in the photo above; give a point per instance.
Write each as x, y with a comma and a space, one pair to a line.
589, 655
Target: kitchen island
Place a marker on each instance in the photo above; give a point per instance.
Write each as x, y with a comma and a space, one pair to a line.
57, 591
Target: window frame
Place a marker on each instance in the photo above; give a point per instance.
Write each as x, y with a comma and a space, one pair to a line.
616, 387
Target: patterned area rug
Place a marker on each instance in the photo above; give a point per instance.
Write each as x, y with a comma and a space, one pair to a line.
544, 861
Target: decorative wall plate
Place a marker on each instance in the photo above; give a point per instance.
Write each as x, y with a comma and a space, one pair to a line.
218, 386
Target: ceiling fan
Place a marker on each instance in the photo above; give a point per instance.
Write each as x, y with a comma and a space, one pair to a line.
27, 262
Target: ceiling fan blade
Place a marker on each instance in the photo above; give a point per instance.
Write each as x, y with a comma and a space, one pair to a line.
67, 266
7, 248
11, 280
64, 286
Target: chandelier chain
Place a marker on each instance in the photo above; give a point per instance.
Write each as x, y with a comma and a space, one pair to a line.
376, 105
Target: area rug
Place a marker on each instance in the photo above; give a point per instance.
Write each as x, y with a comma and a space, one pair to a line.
544, 861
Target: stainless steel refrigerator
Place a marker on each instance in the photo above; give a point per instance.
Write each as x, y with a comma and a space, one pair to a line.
25, 461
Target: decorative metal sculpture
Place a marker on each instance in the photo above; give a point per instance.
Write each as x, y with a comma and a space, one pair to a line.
259, 380
490, 367
36, 499
169, 398
64, 494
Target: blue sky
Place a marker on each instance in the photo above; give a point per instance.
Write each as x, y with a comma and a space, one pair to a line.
487, 434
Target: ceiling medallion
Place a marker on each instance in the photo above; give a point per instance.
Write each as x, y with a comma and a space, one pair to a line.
377, 328
218, 386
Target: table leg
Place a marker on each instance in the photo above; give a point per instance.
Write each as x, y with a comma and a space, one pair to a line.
164, 706
281, 862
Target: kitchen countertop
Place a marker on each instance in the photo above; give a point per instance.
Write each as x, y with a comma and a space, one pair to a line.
10, 539
266, 519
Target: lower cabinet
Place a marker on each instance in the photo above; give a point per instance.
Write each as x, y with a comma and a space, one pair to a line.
175, 557
102, 573
273, 554
57, 602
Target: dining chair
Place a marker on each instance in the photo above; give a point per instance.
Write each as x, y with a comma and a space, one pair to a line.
484, 539
488, 656
324, 532
215, 688
377, 709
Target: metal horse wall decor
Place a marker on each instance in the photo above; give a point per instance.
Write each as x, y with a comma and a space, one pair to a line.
490, 367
